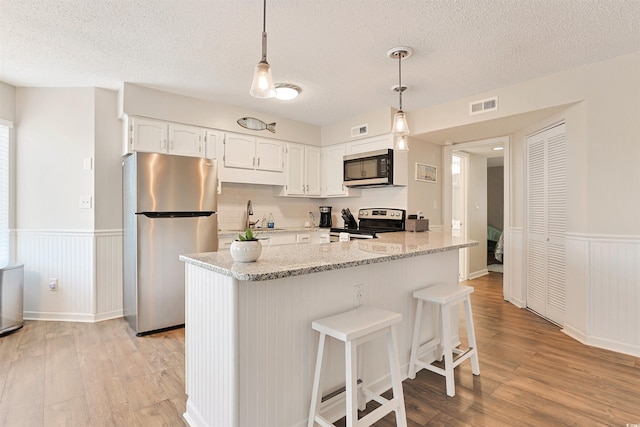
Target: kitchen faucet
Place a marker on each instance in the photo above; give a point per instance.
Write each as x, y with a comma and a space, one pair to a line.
248, 223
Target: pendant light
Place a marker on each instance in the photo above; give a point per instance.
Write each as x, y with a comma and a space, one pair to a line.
400, 126
262, 85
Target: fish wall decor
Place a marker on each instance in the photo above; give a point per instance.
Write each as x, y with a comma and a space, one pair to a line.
256, 124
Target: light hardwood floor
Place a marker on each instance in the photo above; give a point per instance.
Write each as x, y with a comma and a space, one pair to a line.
78, 374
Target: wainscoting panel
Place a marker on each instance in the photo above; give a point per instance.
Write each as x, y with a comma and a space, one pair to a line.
87, 265
108, 275
603, 291
615, 292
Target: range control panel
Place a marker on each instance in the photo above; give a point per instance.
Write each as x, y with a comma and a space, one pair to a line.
382, 213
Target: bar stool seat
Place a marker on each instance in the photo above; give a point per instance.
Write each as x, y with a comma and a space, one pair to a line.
354, 328
444, 296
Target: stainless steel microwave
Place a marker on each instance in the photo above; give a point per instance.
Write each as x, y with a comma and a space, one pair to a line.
375, 168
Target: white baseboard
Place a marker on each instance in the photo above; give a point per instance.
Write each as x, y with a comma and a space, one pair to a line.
71, 317
478, 273
602, 343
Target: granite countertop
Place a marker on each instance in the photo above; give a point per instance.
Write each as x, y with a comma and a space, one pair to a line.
292, 260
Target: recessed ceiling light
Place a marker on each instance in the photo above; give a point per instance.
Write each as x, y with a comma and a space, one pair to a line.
497, 148
286, 91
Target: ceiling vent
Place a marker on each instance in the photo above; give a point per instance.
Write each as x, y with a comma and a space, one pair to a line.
359, 131
483, 106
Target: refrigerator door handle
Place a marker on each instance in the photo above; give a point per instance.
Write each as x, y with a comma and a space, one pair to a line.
175, 214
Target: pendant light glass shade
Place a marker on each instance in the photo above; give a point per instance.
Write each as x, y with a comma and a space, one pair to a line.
400, 125
401, 143
262, 85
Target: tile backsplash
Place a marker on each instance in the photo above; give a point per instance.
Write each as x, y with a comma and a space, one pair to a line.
290, 212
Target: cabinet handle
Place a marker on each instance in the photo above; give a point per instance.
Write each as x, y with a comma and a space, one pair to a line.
258, 161
254, 162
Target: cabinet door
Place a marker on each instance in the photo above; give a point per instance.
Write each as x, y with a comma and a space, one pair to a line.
239, 151
185, 140
211, 140
148, 135
269, 155
295, 170
333, 174
312, 171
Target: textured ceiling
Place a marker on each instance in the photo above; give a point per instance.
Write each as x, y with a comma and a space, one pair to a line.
335, 50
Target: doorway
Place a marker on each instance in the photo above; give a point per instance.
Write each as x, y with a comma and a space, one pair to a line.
472, 150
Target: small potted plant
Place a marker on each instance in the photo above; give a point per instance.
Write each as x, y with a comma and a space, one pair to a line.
246, 248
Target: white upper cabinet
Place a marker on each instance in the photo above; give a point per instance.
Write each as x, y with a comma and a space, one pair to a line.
313, 170
303, 169
269, 155
250, 160
332, 170
212, 140
186, 140
147, 135
370, 144
239, 151
156, 136
249, 152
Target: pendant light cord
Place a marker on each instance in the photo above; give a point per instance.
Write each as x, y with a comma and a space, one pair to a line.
400, 55
264, 31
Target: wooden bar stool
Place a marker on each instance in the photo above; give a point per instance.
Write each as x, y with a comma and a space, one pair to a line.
445, 296
354, 328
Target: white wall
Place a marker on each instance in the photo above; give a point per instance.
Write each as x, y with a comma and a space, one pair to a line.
57, 129
602, 129
107, 162
425, 196
55, 134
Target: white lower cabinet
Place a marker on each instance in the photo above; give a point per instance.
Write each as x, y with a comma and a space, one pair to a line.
274, 239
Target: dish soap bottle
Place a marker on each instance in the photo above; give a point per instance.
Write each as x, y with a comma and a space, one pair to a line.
271, 224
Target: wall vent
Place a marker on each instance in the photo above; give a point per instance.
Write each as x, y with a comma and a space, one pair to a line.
359, 130
483, 106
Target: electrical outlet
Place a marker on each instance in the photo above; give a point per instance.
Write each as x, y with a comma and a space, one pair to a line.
53, 284
358, 295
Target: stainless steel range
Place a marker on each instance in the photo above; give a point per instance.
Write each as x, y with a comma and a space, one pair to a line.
372, 221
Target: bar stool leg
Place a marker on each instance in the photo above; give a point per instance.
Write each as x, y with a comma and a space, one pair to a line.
362, 399
416, 338
448, 349
351, 371
396, 381
317, 380
471, 335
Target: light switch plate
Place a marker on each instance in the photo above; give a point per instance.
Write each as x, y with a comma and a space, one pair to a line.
85, 202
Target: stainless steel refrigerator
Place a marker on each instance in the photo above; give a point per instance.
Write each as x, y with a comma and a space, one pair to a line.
169, 207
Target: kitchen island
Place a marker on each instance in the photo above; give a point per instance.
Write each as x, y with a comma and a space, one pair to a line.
250, 350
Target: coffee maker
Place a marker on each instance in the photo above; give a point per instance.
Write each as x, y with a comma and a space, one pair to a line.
325, 217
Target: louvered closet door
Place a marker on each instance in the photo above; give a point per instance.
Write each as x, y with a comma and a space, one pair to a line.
547, 222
